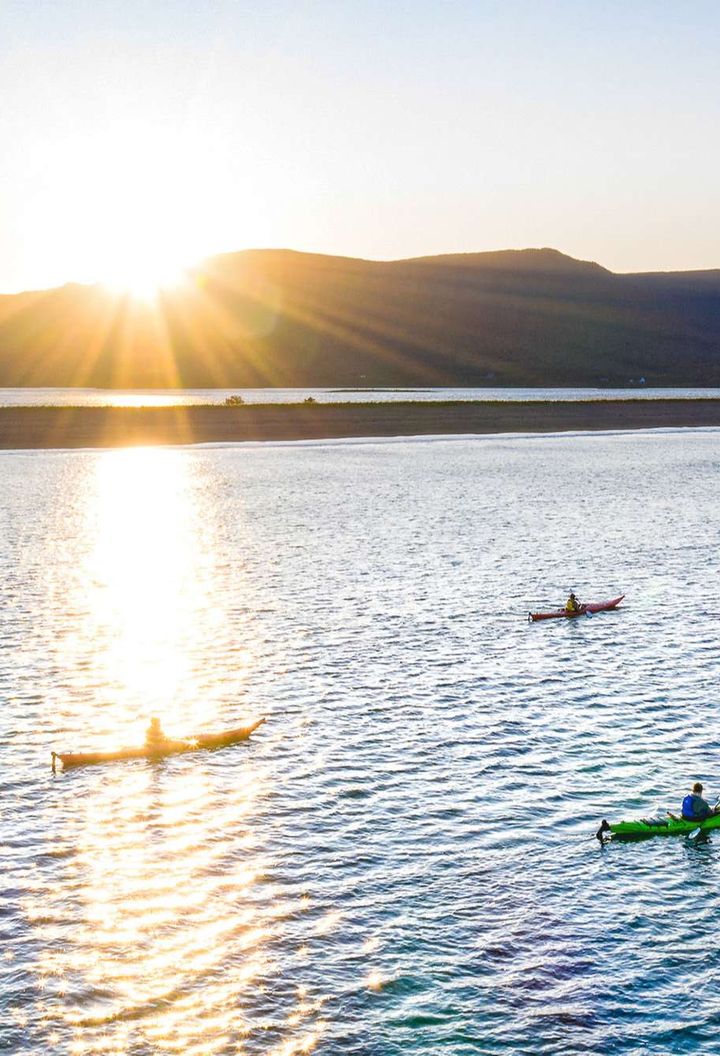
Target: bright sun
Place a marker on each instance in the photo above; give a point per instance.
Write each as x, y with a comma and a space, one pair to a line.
143, 278
144, 210
144, 253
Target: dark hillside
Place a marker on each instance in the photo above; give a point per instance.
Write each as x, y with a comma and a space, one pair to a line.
277, 317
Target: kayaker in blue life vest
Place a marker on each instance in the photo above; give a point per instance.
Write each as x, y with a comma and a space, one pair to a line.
694, 807
572, 604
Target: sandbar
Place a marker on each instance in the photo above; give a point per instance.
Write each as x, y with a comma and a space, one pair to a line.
88, 427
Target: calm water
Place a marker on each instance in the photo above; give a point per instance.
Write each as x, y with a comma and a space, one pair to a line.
170, 397
402, 859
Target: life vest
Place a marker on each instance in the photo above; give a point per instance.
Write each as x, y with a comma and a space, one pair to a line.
689, 811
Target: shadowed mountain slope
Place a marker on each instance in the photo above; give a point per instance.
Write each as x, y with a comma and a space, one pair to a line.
278, 317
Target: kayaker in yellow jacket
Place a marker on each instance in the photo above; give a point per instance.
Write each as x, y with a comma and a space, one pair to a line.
572, 604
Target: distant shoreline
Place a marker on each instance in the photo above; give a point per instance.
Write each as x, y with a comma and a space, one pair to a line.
33, 427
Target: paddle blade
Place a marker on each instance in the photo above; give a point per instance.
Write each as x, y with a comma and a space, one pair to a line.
694, 833
588, 613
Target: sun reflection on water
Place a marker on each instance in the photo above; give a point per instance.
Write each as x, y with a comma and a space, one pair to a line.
172, 923
165, 928
142, 568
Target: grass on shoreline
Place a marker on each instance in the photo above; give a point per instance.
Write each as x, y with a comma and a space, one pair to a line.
354, 404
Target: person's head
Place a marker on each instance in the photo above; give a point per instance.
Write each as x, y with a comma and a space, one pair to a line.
155, 724
572, 593
697, 788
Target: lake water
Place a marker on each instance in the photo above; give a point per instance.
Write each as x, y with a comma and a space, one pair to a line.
402, 859
173, 397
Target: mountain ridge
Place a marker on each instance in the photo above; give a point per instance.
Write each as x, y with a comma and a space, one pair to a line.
288, 318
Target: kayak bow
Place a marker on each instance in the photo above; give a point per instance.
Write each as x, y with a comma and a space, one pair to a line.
637, 830
593, 606
201, 742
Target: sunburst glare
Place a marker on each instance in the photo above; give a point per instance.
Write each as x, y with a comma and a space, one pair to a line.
143, 279
145, 220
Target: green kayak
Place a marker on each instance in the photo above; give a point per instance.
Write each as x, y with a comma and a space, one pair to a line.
637, 830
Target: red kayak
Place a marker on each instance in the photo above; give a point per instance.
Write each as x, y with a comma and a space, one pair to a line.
168, 747
591, 607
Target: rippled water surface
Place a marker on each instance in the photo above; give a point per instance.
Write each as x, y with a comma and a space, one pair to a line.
402, 859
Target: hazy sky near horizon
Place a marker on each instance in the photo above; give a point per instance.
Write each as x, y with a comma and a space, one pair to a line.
161, 131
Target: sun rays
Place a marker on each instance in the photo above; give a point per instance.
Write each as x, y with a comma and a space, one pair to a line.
251, 319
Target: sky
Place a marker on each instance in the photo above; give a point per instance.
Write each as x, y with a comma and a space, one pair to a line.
137, 137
